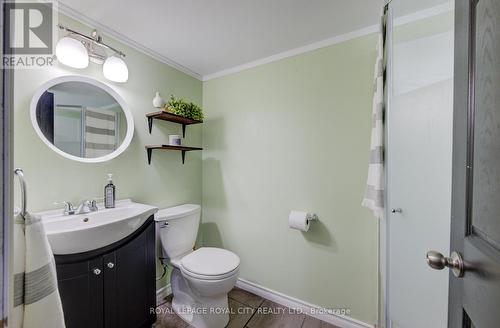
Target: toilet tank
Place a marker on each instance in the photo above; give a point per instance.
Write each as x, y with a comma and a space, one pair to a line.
177, 228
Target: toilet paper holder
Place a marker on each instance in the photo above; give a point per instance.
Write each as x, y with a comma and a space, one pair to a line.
301, 220
312, 217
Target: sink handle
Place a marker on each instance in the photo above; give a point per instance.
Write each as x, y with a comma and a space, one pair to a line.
69, 209
94, 201
93, 205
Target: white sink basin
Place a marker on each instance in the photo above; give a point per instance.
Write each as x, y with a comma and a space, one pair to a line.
69, 234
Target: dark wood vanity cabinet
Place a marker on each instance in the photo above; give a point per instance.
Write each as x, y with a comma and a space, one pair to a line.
111, 287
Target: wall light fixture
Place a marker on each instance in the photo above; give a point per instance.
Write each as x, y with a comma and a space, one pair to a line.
76, 49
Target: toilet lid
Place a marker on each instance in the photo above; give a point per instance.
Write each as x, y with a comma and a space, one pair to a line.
210, 261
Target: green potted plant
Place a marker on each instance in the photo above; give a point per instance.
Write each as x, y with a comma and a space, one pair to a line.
179, 106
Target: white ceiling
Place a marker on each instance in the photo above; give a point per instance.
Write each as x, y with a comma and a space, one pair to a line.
209, 36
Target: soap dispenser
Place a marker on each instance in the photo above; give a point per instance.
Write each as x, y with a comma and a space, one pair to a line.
109, 193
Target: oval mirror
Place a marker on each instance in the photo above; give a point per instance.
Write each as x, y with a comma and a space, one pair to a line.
81, 119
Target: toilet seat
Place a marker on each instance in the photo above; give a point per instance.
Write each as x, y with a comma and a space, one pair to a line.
189, 274
210, 263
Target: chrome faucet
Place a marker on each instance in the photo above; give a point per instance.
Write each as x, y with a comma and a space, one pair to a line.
69, 209
87, 206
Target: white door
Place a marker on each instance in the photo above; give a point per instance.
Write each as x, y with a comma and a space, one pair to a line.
419, 158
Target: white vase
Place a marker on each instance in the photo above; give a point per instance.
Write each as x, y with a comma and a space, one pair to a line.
158, 101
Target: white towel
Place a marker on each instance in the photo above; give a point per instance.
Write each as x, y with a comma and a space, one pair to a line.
374, 192
37, 303
19, 267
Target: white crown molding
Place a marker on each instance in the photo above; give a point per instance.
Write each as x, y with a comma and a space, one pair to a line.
68, 11
295, 52
426, 13
307, 308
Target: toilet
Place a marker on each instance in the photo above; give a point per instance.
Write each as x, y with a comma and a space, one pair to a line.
201, 278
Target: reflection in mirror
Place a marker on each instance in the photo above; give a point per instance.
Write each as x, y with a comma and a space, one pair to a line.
81, 119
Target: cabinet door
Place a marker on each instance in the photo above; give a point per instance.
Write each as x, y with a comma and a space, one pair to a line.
129, 283
80, 286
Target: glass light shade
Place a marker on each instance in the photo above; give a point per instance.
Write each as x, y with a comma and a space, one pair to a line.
72, 53
115, 69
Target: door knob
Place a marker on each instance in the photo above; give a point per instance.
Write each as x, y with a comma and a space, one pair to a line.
111, 265
438, 261
96, 271
396, 210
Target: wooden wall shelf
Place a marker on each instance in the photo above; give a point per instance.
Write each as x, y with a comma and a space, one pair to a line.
183, 149
164, 116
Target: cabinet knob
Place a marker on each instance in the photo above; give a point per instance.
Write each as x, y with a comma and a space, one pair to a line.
97, 271
111, 265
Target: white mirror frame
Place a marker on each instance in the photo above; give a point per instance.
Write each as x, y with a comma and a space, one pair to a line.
77, 78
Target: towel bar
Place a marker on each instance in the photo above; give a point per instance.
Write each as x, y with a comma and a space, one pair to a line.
20, 175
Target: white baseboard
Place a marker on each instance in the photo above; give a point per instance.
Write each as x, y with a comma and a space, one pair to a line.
309, 309
162, 293
285, 300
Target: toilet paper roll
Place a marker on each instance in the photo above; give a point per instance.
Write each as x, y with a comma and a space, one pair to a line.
299, 220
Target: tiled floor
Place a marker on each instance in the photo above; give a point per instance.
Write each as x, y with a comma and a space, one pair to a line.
247, 310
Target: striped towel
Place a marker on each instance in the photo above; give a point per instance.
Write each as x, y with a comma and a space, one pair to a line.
37, 303
374, 192
100, 132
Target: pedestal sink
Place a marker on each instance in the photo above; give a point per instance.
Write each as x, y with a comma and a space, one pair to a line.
70, 234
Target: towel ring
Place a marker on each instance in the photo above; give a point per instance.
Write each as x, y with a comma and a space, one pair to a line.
20, 175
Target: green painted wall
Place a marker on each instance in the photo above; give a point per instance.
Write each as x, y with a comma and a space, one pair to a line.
166, 182
294, 134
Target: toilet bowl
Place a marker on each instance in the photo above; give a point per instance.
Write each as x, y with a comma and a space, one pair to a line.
202, 278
